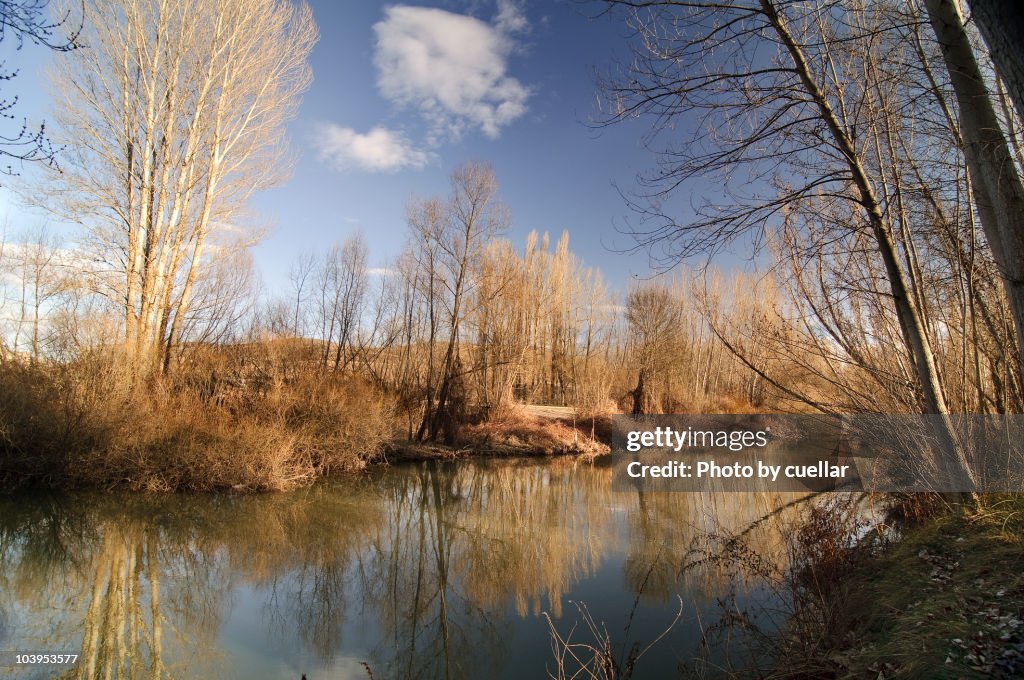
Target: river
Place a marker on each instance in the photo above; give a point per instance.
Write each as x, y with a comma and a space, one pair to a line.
429, 570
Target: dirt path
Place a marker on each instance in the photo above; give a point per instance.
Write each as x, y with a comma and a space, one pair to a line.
550, 412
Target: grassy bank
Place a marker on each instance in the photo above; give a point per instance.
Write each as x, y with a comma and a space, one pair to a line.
265, 429
945, 600
937, 593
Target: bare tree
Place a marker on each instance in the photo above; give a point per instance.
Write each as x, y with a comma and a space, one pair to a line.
997, 182
224, 297
299, 277
653, 317
778, 121
451, 237
176, 116
341, 281
36, 263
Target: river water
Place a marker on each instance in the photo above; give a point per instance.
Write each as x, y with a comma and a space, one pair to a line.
429, 570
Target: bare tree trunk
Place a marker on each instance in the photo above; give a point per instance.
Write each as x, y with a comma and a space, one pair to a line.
999, 190
911, 323
1001, 22
639, 394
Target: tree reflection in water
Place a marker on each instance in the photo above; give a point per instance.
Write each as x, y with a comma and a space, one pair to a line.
423, 571
466, 541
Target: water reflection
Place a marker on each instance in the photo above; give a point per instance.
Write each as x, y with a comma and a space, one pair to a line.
425, 571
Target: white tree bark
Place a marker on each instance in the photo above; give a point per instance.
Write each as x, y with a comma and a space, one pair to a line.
173, 117
998, 187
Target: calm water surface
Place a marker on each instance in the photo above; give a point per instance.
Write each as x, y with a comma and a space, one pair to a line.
419, 571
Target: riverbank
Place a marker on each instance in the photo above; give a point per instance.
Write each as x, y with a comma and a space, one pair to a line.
86, 425
523, 431
943, 598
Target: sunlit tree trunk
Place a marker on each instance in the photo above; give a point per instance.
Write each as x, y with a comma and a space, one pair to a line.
998, 187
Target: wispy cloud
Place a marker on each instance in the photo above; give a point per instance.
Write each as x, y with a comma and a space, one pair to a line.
510, 18
451, 67
379, 150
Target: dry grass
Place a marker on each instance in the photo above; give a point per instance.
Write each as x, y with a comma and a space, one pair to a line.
514, 430
65, 425
595, 655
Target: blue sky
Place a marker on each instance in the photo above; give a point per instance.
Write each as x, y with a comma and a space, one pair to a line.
403, 93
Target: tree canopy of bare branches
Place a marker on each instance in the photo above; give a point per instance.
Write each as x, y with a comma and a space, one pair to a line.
174, 117
796, 109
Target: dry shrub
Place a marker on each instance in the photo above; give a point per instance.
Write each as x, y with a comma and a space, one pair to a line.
601, 409
340, 422
827, 545
720, 405
171, 442
791, 635
84, 423
913, 509
277, 439
32, 431
48, 412
701, 403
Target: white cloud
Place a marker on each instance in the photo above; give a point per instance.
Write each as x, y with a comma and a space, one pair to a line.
510, 17
451, 67
379, 150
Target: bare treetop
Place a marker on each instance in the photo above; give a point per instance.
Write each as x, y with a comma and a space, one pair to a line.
30, 21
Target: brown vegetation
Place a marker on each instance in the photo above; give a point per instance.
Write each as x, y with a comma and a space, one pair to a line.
82, 423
